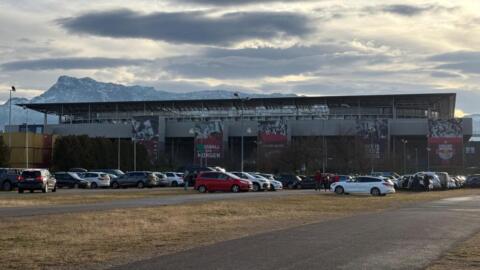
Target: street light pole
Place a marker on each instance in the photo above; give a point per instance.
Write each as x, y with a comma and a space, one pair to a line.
10, 115
404, 155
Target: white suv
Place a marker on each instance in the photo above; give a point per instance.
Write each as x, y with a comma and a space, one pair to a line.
97, 179
174, 179
259, 184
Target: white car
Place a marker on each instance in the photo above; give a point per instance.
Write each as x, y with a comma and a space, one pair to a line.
174, 179
375, 186
97, 179
274, 184
259, 184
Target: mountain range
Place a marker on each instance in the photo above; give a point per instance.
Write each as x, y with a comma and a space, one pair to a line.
70, 89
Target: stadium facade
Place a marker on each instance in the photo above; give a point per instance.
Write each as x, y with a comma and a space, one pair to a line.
419, 127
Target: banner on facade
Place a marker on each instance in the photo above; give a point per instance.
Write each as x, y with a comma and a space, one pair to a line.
374, 135
208, 140
145, 131
445, 141
272, 133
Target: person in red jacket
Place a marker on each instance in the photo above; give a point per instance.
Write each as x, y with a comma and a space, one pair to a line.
318, 180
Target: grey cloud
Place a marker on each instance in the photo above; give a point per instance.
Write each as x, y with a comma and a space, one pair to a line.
408, 10
466, 67
236, 2
443, 74
70, 63
262, 62
277, 53
458, 56
464, 61
189, 27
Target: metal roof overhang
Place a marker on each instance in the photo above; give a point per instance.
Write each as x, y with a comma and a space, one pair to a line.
125, 106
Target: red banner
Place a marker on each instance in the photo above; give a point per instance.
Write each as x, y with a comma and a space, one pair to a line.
446, 142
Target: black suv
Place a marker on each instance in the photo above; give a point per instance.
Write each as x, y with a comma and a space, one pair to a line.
70, 180
289, 180
9, 178
36, 179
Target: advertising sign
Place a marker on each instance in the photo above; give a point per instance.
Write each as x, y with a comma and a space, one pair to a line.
272, 136
208, 140
374, 135
446, 141
145, 132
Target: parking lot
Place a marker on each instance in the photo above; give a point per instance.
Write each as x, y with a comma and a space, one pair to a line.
166, 220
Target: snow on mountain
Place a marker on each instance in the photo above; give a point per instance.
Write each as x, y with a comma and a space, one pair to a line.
70, 89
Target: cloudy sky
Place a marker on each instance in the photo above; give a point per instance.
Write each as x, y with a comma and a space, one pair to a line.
310, 47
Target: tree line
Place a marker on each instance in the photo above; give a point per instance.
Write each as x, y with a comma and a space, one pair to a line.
97, 153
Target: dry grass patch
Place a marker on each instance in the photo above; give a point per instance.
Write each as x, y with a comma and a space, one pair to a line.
465, 256
83, 197
97, 239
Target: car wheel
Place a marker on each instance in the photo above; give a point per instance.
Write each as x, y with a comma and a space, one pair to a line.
54, 188
75, 186
45, 189
140, 184
256, 187
93, 185
375, 192
235, 188
115, 185
174, 184
339, 190
202, 189
7, 186
20, 190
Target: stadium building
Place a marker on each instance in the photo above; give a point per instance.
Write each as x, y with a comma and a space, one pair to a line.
413, 130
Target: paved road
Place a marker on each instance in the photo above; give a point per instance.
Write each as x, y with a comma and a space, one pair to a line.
408, 238
143, 202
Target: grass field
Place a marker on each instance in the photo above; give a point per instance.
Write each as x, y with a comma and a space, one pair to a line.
12, 199
99, 239
464, 256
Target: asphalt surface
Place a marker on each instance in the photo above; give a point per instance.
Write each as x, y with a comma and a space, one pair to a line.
407, 238
162, 200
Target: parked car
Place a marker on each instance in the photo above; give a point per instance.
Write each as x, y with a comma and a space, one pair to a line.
376, 186
404, 181
444, 179
274, 184
115, 172
344, 178
435, 183
79, 170
393, 176
36, 179
70, 180
221, 181
473, 181
259, 184
307, 182
9, 178
97, 179
288, 180
174, 179
162, 179
139, 179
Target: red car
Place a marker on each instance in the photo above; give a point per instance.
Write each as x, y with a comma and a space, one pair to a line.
220, 181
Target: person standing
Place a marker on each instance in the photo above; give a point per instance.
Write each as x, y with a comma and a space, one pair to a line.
318, 180
426, 182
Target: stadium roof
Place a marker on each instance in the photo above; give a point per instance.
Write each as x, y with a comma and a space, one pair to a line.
442, 101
